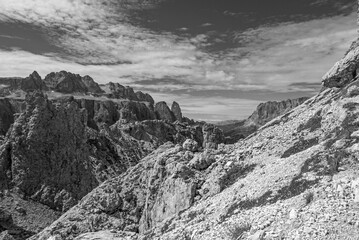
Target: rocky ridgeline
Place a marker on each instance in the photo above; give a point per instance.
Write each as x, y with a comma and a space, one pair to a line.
69, 83
265, 112
294, 178
55, 151
105, 103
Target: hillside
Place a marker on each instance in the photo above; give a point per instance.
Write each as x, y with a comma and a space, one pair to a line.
295, 178
238, 129
61, 140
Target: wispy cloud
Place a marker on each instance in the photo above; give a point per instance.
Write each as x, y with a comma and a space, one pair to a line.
98, 38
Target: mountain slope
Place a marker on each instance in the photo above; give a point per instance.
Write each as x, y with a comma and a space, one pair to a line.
235, 130
295, 178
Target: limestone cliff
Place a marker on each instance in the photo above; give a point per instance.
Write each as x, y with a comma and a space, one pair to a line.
294, 178
264, 113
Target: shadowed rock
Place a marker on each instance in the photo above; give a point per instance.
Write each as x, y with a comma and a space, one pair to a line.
163, 112
176, 109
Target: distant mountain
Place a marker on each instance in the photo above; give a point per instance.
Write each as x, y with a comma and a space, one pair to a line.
234, 130
63, 136
295, 178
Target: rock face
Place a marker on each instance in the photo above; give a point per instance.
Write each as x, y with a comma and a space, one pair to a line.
296, 178
345, 70
212, 136
264, 113
144, 97
139, 199
163, 112
176, 109
109, 112
6, 115
72, 145
267, 111
52, 168
91, 85
65, 82
116, 90
64, 159
33, 82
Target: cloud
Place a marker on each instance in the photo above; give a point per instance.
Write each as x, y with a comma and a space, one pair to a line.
206, 24
218, 69
278, 56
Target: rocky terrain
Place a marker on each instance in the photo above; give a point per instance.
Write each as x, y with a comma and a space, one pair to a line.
296, 177
64, 135
265, 112
116, 165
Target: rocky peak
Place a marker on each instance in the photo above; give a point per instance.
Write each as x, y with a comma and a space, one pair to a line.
163, 112
345, 70
116, 90
144, 97
34, 75
52, 169
272, 109
91, 85
65, 82
33, 82
176, 109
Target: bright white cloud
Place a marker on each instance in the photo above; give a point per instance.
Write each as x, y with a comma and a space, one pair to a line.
269, 58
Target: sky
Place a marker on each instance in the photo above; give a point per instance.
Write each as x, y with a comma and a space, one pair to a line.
218, 58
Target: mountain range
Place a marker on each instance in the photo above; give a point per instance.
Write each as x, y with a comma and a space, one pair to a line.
80, 160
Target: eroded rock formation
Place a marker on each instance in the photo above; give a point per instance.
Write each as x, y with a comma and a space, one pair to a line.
264, 113
164, 112
176, 109
295, 178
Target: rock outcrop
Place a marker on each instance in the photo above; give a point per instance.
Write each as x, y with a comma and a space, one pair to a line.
33, 82
295, 178
64, 159
212, 136
145, 97
116, 90
164, 112
176, 109
344, 71
53, 167
72, 145
267, 111
109, 112
139, 199
65, 82
6, 115
264, 113
91, 85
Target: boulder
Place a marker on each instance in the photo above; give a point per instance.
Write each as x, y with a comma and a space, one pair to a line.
202, 160
190, 145
212, 136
